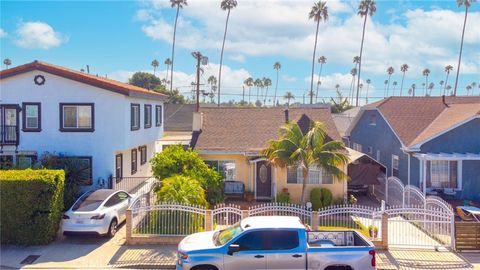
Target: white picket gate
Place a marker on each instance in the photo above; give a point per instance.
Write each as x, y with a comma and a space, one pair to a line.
225, 215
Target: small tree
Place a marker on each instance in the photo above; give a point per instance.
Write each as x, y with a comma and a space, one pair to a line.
182, 189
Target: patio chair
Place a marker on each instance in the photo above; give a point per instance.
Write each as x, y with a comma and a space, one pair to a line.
464, 215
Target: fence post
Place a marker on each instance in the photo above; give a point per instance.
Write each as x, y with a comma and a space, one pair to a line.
128, 226
384, 230
315, 222
208, 220
245, 213
386, 189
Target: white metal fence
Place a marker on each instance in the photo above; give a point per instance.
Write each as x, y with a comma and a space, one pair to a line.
282, 209
225, 215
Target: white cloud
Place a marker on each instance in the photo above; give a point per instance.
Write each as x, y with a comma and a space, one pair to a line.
38, 35
288, 78
237, 58
3, 33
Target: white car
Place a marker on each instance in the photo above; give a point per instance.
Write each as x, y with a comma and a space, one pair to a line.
97, 212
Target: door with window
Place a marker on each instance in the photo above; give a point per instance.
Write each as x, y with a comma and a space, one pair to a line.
284, 251
251, 255
9, 131
264, 180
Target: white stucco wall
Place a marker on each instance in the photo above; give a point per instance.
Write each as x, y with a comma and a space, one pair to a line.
112, 133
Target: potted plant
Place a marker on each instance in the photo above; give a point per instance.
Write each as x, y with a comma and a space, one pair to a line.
249, 196
373, 231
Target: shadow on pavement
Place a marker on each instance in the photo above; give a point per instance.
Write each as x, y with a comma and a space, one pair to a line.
145, 257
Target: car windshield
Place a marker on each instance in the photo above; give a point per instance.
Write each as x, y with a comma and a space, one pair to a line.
90, 201
221, 237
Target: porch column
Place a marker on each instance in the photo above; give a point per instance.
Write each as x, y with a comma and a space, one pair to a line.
424, 176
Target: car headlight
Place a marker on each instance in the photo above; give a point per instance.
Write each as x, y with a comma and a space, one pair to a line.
181, 256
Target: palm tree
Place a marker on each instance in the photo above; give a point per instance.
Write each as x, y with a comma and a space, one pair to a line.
441, 86
353, 72
155, 64
448, 88
266, 83
448, 68
259, 84
390, 71
430, 88
425, 73
394, 86
467, 4
385, 90
366, 7
224, 5
167, 62
178, 4
212, 81
356, 61
288, 96
368, 87
403, 69
318, 13
306, 150
474, 84
249, 82
412, 90
321, 60
277, 66
337, 87
7, 62
468, 88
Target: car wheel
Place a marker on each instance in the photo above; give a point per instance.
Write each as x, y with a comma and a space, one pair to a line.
112, 229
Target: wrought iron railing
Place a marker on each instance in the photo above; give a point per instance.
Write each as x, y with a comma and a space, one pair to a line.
9, 135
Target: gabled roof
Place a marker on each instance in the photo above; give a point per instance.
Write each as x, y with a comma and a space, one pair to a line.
179, 117
236, 129
100, 82
416, 119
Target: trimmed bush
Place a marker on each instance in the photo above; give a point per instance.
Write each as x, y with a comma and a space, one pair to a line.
181, 189
320, 197
31, 203
283, 197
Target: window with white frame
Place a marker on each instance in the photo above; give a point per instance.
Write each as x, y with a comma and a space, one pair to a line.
395, 164
442, 174
134, 116
357, 146
158, 115
316, 175
227, 168
76, 117
31, 117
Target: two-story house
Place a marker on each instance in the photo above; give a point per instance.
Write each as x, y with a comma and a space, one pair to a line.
429, 142
110, 127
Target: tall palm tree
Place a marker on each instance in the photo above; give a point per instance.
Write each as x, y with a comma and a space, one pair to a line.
467, 4
318, 13
430, 88
277, 66
368, 87
403, 68
7, 62
249, 83
175, 4
155, 65
448, 68
394, 86
441, 86
266, 83
167, 62
412, 90
321, 60
356, 61
307, 149
390, 71
212, 81
259, 84
425, 73
337, 87
224, 5
448, 88
468, 88
366, 8
385, 90
353, 72
473, 84
288, 96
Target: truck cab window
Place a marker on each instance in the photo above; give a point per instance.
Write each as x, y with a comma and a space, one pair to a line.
282, 240
251, 241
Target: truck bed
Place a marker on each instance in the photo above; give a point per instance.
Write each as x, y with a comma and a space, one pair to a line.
328, 239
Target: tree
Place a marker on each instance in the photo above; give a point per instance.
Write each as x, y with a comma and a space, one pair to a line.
430, 88
266, 83
318, 13
7, 62
288, 96
277, 66
441, 87
249, 82
351, 93
224, 5
385, 90
448, 88
394, 86
341, 104
178, 4
145, 80
425, 73
321, 60
366, 8
390, 71
403, 68
448, 68
167, 62
468, 88
368, 87
259, 84
306, 150
181, 189
212, 81
473, 84
155, 65
412, 90
467, 4
258, 103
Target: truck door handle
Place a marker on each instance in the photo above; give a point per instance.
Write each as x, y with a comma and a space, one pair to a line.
297, 256
259, 256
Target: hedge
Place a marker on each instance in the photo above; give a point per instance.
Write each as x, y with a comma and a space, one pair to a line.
320, 197
31, 203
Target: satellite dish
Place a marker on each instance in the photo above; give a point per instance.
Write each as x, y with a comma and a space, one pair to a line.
204, 60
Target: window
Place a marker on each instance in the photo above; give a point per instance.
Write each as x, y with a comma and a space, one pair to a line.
282, 240
26, 161
251, 241
116, 199
395, 164
370, 150
227, 168
31, 117
357, 147
442, 174
148, 116
82, 165
119, 166
134, 116
373, 120
158, 115
315, 175
134, 161
77, 117
143, 154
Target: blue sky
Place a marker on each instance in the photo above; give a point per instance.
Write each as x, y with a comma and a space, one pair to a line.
117, 38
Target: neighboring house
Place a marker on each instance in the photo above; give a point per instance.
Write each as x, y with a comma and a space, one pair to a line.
430, 142
230, 139
110, 126
178, 125
345, 119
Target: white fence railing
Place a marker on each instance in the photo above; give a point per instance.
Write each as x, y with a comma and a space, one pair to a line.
282, 209
225, 215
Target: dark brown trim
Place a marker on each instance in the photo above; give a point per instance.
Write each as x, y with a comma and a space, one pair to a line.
133, 166
143, 154
24, 117
121, 166
158, 120
132, 105
62, 129
145, 114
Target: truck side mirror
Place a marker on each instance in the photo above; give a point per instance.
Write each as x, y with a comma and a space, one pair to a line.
233, 248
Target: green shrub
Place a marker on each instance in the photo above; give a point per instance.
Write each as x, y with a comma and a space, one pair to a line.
31, 203
174, 160
283, 197
320, 197
181, 189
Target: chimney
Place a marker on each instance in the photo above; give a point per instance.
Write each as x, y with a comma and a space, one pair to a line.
286, 114
197, 121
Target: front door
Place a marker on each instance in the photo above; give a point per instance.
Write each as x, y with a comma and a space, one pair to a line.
264, 180
9, 125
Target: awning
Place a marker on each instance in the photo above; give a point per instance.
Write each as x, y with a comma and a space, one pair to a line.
363, 169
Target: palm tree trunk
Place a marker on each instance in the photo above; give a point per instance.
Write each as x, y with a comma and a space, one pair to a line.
221, 57
361, 59
318, 86
366, 94
173, 49
388, 87
276, 87
446, 81
460, 55
401, 87
265, 97
166, 76
243, 96
426, 85
304, 185
313, 62
249, 94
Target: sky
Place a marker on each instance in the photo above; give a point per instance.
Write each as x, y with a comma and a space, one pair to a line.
118, 38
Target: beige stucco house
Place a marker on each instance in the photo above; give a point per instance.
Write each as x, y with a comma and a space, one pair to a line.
231, 138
